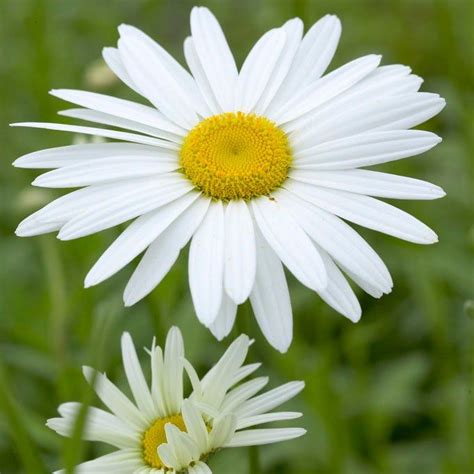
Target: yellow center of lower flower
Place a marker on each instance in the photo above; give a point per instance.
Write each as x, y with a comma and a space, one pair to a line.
155, 436
236, 156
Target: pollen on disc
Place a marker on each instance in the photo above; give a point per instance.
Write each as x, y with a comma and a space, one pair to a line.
236, 156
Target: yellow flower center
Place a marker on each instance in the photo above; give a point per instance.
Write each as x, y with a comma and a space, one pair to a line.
155, 436
236, 156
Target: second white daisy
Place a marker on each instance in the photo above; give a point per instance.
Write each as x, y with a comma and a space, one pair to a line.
256, 168
161, 431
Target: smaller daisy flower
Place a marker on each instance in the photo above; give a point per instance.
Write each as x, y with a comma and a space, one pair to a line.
161, 431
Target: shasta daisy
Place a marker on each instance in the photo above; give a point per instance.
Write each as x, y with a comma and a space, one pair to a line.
258, 168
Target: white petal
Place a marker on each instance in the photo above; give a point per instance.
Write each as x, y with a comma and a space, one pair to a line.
104, 170
199, 468
101, 132
206, 264
224, 321
135, 377
120, 462
113, 121
313, 57
120, 108
161, 79
270, 298
385, 81
269, 400
365, 150
244, 372
371, 183
173, 371
200, 77
136, 238
215, 56
163, 252
239, 251
114, 61
183, 446
366, 211
264, 436
374, 114
219, 379
294, 31
325, 89
267, 418
195, 425
115, 400
242, 393
340, 240
258, 69
222, 431
290, 243
75, 154
99, 426
160, 190
338, 294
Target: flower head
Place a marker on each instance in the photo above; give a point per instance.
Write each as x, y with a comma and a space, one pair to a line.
161, 430
258, 168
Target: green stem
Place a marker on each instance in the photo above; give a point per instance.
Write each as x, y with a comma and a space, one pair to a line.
254, 460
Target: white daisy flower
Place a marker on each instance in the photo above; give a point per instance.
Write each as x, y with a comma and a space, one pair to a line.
259, 169
161, 431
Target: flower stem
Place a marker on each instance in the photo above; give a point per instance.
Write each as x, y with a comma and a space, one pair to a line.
254, 460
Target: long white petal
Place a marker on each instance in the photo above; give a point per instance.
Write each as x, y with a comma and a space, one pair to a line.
249, 421
269, 400
258, 69
366, 149
173, 371
222, 431
206, 264
270, 298
163, 252
113, 121
200, 77
120, 108
195, 425
264, 436
294, 32
385, 81
326, 88
340, 240
239, 251
366, 211
101, 132
88, 152
215, 56
162, 80
115, 400
371, 183
290, 243
339, 294
313, 57
124, 461
136, 238
104, 170
375, 114
121, 208
114, 62
135, 377
224, 321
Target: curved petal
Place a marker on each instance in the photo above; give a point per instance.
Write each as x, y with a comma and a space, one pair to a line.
257, 69
224, 321
239, 251
206, 264
215, 56
270, 298
290, 243
163, 252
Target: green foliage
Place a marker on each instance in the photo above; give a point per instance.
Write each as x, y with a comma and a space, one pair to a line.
392, 394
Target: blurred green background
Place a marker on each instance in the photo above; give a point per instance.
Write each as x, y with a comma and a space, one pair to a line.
391, 394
